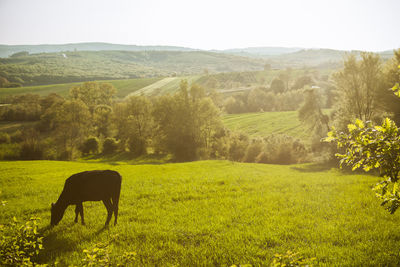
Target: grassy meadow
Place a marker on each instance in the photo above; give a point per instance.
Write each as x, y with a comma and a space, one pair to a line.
211, 213
266, 123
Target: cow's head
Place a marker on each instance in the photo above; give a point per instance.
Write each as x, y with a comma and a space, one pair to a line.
56, 214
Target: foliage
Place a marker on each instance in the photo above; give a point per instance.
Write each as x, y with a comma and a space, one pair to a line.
93, 94
90, 145
110, 146
4, 138
359, 85
80, 66
186, 122
20, 243
373, 147
99, 256
291, 259
31, 147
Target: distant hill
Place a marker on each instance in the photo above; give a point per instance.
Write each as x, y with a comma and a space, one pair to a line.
64, 67
8, 50
260, 51
321, 58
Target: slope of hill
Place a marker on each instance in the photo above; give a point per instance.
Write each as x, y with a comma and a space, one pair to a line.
165, 86
322, 58
124, 87
78, 66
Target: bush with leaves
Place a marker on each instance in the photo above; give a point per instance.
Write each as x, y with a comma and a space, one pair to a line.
90, 145
110, 145
100, 256
290, 259
373, 147
20, 244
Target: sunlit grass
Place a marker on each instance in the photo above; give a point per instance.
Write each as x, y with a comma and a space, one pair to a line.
212, 213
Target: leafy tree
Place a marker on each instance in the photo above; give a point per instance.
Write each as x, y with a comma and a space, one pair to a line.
358, 85
286, 77
186, 122
110, 146
93, 94
277, 86
302, 81
374, 147
310, 112
390, 102
102, 120
72, 127
90, 145
140, 123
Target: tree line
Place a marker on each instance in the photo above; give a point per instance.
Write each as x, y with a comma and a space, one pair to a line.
186, 125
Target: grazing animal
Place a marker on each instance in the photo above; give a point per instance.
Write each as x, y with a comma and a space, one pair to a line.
88, 186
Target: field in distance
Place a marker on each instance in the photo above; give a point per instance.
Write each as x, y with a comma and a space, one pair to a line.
124, 87
211, 213
262, 124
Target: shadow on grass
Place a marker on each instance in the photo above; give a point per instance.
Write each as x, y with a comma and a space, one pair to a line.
128, 158
56, 245
316, 167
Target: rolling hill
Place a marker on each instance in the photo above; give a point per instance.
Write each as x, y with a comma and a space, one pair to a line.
8, 50
50, 68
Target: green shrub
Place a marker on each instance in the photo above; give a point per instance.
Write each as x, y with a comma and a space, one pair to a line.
4, 138
110, 146
137, 146
16, 136
10, 151
253, 150
20, 244
100, 256
91, 145
31, 151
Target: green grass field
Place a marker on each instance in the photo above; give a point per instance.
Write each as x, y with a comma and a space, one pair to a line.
124, 87
165, 86
266, 123
211, 213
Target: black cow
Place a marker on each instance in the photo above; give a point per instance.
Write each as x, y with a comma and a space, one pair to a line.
88, 186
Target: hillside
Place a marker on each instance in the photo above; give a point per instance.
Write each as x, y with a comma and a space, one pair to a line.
124, 87
48, 68
321, 58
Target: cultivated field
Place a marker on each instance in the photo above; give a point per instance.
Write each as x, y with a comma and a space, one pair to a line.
124, 87
262, 124
211, 213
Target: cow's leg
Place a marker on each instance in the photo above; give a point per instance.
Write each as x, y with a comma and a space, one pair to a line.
109, 207
115, 201
76, 213
81, 212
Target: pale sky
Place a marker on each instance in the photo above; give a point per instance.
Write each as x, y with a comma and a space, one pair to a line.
205, 24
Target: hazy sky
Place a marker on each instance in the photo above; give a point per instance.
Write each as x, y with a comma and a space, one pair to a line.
206, 24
